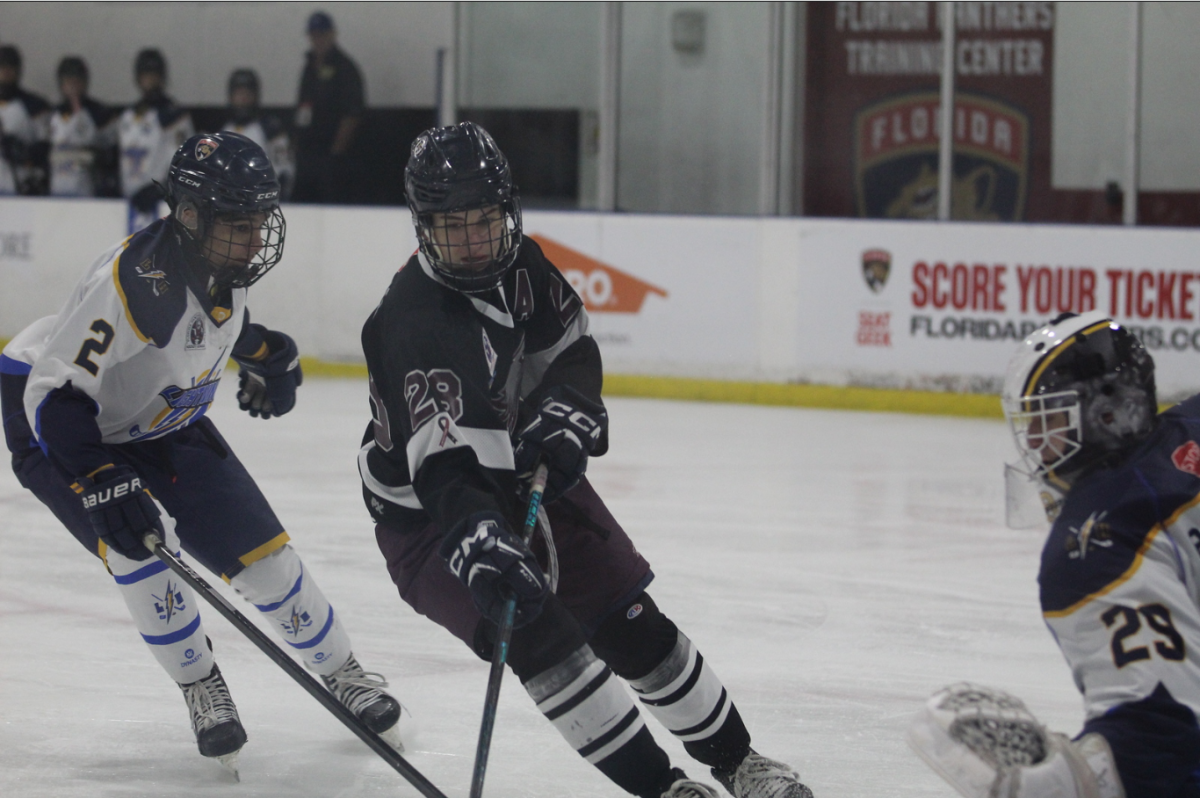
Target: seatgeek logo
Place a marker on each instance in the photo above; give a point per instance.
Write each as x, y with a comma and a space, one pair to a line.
603, 288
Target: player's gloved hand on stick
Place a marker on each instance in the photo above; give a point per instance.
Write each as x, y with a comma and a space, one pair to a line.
121, 510
495, 565
268, 387
145, 199
565, 431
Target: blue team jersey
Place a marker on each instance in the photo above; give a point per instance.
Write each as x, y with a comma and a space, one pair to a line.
1120, 591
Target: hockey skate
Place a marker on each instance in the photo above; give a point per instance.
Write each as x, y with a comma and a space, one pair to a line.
361, 692
759, 777
683, 787
215, 721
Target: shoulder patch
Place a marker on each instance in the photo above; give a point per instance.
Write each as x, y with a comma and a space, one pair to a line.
152, 291
1187, 458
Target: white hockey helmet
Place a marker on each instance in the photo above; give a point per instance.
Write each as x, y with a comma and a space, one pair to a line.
1078, 391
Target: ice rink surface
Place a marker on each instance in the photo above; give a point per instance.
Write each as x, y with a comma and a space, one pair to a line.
834, 567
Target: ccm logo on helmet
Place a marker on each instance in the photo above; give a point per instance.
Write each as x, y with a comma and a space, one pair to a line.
96, 499
268, 195
189, 181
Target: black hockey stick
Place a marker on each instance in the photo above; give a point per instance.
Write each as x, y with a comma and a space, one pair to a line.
293, 669
500, 653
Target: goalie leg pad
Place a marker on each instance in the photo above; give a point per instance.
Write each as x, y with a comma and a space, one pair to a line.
280, 588
987, 744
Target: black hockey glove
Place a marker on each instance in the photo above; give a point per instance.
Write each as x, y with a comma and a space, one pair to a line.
145, 199
121, 511
495, 565
565, 430
268, 387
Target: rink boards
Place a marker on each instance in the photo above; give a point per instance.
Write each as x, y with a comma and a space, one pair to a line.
915, 305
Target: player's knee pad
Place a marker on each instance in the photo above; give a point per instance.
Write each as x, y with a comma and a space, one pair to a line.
165, 611
583, 699
635, 639
279, 587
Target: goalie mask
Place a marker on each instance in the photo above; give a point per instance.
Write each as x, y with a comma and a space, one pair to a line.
464, 206
224, 196
1079, 393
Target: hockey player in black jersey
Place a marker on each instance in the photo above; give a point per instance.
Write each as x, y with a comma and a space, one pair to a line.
480, 365
104, 409
1119, 581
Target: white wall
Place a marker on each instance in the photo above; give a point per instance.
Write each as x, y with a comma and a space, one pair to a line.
393, 43
762, 299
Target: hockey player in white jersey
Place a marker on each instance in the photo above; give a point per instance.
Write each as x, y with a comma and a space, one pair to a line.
265, 130
149, 133
1119, 582
24, 130
104, 411
82, 142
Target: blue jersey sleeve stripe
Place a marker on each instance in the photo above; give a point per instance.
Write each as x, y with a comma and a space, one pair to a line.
316, 641
10, 366
285, 599
174, 637
156, 567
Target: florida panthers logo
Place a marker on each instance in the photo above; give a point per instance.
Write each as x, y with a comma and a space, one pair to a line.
205, 147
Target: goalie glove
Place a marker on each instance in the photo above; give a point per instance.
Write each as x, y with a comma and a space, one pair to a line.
267, 387
495, 565
987, 744
565, 431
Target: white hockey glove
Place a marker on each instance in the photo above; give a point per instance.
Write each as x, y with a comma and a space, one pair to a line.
987, 744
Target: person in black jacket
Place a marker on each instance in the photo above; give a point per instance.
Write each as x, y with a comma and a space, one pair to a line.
327, 117
481, 365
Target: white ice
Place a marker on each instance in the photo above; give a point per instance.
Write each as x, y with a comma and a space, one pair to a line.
835, 568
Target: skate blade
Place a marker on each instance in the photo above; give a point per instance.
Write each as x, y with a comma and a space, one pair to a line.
392, 737
230, 763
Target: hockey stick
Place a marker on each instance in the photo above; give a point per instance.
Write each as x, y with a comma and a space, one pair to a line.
500, 653
293, 669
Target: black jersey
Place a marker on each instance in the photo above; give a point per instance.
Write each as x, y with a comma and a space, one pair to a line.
452, 378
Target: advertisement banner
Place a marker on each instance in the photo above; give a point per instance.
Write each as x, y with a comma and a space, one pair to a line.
873, 110
943, 307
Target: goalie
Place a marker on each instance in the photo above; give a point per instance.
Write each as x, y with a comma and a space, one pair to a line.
1119, 582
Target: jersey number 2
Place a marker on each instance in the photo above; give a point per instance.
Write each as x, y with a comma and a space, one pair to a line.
99, 346
1157, 618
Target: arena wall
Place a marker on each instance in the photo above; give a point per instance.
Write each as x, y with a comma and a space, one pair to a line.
716, 301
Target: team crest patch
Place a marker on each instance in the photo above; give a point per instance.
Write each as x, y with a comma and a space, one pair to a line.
195, 333
1187, 458
206, 147
896, 158
1092, 534
876, 266
157, 277
489, 354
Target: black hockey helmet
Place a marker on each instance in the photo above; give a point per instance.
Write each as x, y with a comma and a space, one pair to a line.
150, 59
72, 66
458, 169
10, 57
217, 180
1079, 393
243, 79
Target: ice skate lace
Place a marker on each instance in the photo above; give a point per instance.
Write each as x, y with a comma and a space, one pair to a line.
759, 777
209, 702
355, 688
685, 788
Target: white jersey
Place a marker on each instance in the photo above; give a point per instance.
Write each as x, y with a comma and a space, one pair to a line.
74, 138
136, 338
269, 134
149, 137
1120, 590
25, 116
